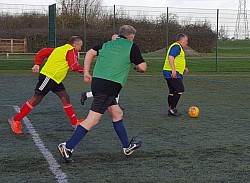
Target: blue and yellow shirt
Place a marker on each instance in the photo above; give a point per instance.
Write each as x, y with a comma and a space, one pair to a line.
178, 53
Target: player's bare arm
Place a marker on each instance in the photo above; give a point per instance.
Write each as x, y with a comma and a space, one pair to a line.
90, 55
40, 57
171, 62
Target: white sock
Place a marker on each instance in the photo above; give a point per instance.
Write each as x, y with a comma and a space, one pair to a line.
89, 94
117, 99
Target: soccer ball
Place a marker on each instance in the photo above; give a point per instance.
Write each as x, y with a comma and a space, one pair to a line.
193, 112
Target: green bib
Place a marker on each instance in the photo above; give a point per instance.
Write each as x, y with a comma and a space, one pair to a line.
113, 61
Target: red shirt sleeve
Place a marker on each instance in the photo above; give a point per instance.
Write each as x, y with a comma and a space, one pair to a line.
72, 58
42, 55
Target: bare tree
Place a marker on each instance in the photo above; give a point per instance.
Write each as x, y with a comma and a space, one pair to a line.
71, 12
77, 6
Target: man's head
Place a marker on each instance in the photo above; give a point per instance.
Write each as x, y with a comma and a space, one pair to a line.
182, 39
127, 31
76, 42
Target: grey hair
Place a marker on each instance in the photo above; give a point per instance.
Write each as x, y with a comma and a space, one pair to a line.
180, 36
74, 39
127, 30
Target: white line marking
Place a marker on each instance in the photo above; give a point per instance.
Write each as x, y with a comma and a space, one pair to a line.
60, 176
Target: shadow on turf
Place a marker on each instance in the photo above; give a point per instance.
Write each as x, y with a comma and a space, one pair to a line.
110, 158
65, 129
140, 155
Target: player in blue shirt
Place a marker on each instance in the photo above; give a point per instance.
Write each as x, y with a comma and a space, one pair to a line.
173, 70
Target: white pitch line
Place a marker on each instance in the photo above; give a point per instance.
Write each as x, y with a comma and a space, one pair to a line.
60, 176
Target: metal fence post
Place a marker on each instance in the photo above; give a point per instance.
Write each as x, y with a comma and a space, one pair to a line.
52, 26
114, 31
167, 30
217, 34
85, 29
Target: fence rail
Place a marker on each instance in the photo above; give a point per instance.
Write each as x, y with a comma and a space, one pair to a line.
156, 29
13, 45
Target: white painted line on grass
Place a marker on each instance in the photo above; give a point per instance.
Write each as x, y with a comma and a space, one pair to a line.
60, 176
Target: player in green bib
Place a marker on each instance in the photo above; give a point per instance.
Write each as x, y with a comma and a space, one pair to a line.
109, 76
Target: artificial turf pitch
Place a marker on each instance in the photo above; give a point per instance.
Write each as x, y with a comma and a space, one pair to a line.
212, 148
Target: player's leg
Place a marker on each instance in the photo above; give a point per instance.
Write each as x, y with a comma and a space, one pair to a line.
42, 88
66, 148
61, 92
117, 116
85, 96
27, 107
177, 88
171, 93
99, 105
92, 119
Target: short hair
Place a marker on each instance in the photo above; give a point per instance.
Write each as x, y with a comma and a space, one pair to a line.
180, 36
74, 39
127, 30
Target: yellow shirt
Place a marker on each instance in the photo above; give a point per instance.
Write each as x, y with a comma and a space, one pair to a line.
179, 61
57, 66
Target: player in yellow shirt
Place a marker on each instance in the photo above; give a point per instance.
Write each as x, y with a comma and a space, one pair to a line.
60, 60
174, 67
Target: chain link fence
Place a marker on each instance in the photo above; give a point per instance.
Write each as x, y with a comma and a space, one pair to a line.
210, 31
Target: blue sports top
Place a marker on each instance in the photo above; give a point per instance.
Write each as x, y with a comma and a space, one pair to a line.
174, 52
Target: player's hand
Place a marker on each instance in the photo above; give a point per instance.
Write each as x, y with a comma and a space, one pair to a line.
136, 68
174, 75
87, 77
36, 68
186, 70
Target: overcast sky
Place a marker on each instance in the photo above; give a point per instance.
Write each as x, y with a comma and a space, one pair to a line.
213, 4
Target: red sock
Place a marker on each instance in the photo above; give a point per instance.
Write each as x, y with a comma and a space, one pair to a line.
25, 109
68, 108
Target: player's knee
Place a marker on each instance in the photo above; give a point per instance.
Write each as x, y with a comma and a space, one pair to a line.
36, 99
180, 91
65, 99
117, 115
120, 113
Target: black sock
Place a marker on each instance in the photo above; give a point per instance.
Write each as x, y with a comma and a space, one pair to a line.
176, 99
170, 101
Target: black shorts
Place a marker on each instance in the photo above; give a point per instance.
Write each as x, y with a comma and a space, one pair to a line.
104, 93
104, 86
175, 85
101, 102
46, 84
